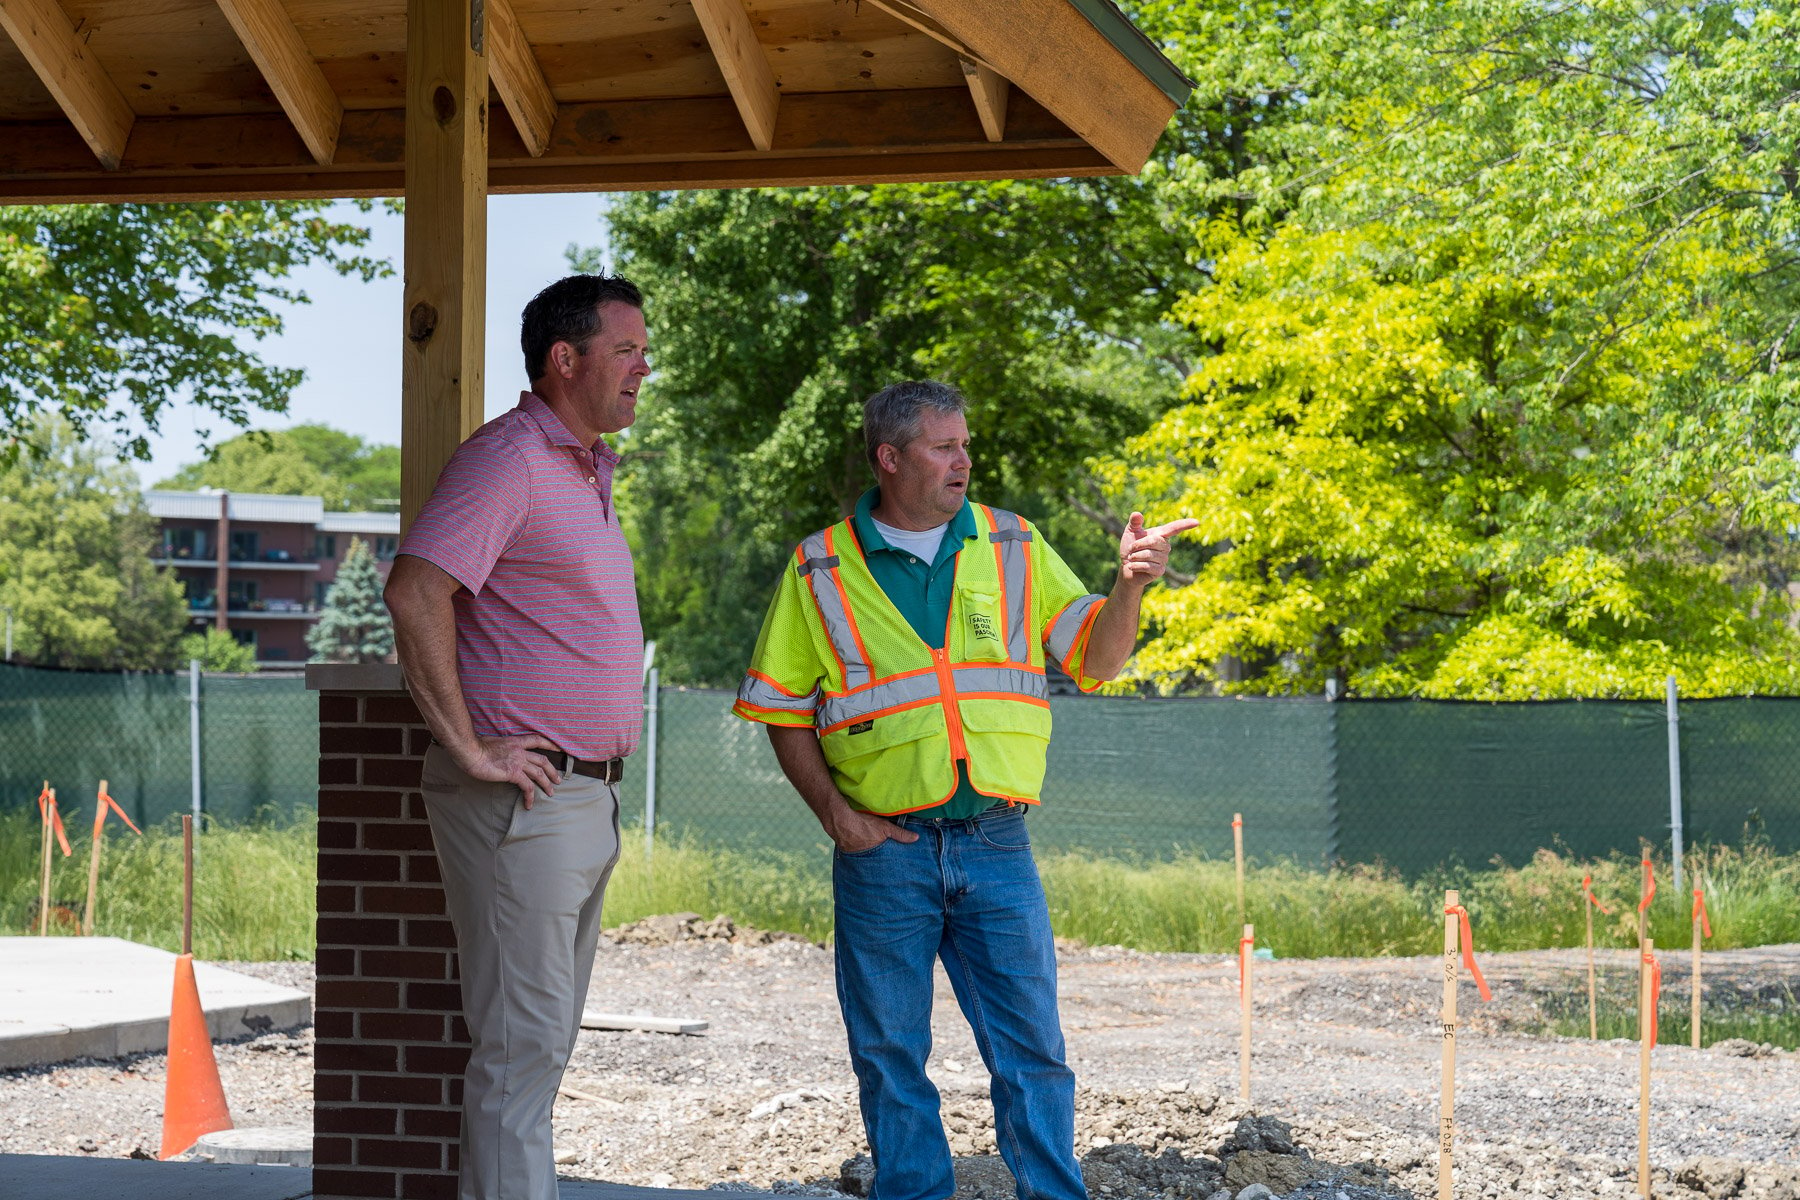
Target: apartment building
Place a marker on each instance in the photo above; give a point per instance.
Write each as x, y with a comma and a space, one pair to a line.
281, 557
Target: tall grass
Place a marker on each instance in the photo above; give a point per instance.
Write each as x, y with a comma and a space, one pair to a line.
254, 895
253, 886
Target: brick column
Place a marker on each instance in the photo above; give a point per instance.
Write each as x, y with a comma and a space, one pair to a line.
391, 1044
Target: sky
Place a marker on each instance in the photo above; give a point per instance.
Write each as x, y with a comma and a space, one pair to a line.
348, 338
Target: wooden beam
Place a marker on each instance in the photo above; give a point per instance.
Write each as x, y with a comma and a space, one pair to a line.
268, 33
446, 157
519, 78
874, 136
58, 53
1051, 51
744, 65
989, 91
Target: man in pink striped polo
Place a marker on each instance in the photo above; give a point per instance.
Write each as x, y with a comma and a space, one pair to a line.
515, 615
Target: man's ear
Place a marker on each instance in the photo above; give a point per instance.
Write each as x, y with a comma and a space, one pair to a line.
888, 458
562, 357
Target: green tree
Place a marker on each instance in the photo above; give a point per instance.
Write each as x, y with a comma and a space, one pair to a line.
348, 473
355, 626
1497, 400
75, 548
110, 312
218, 651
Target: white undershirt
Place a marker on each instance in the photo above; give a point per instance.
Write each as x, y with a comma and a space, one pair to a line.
921, 544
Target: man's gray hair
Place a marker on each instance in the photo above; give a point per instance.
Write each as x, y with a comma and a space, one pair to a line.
891, 416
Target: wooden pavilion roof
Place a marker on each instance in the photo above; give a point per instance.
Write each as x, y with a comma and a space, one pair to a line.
114, 100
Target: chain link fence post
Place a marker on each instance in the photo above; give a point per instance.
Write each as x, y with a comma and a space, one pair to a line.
1675, 779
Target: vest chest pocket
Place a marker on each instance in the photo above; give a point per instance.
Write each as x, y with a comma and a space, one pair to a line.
876, 758
980, 628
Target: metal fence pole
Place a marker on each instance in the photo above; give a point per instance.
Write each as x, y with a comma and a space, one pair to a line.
1675, 780
194, 734
650, 707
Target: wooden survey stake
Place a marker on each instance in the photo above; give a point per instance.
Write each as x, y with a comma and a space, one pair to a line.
1649, 987
1246, 957
1702, 928
44, 857
1589, 903
103, 802
1237, 838
1447, 1098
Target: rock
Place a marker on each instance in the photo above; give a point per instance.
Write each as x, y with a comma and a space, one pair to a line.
983, 1177
87, 1145
1261, 1133
1280, 1173
857, 1176
1256, 1191
1743, 1048
566, 1157
1717, 1177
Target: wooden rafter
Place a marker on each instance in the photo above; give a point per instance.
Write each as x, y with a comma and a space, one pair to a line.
88, 97
268, 33
744, 65
519, 78
989, 91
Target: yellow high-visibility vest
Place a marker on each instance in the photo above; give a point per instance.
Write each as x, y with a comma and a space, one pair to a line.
894, 716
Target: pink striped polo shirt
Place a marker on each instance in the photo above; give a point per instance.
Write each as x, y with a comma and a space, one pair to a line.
547, 634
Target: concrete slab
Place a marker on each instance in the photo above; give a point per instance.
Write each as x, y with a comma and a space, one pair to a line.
69, 997
53, 1177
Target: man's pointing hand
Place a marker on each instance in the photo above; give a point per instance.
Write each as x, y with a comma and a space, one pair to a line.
1144, 553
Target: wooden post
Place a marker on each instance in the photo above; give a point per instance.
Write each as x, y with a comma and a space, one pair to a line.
1246, 959
44, 875
1237, 837
1447, 1097
187, 884
93, 896
446, 239
1593, 1006
1694, 984
1646, 1038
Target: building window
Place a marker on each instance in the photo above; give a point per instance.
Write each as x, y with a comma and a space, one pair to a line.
386, 548
243, 545
244, 637
325, 545
243, 593
184, 543
320, 592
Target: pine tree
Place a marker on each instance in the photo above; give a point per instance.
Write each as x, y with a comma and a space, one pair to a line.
354, 626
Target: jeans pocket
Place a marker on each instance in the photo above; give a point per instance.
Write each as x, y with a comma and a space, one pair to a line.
1004, 833
862, 854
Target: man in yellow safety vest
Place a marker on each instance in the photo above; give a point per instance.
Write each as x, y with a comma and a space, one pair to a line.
900, 672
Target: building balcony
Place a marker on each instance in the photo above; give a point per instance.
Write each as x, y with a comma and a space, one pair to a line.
266, 610
240, 564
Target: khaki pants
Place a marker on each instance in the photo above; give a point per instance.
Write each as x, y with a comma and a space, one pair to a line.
524, 889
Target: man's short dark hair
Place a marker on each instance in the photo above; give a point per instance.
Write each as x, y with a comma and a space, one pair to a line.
569, 311
891, 416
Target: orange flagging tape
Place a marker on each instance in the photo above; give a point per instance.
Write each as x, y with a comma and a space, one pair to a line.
1699, 914
1468, 948
1649, 887
1244, 948
1587, 889
1655, 991
105, 802
47, 812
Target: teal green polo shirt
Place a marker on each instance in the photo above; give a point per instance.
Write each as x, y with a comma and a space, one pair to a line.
921, 591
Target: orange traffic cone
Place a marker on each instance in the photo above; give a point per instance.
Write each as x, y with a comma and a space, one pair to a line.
193, 1097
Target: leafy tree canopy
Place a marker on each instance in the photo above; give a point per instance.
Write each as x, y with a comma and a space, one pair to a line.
75, 547
355, 626
111, 312
1498, 399
306, 460
217, 651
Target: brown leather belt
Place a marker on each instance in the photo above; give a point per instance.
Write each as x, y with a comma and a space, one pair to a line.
606, 770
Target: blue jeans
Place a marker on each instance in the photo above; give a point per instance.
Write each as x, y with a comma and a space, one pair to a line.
968, 893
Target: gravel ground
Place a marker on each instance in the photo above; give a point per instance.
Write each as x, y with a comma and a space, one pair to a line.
1346, 1053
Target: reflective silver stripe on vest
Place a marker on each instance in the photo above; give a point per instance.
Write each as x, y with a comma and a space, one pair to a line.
1005, 680
837, 709
763, 694
1059, 639
818, 572
1011, 535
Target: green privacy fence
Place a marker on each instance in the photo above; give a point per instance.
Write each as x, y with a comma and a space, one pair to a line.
258, 742
1414, 784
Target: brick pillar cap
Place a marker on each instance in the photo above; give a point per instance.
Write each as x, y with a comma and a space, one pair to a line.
354, 677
